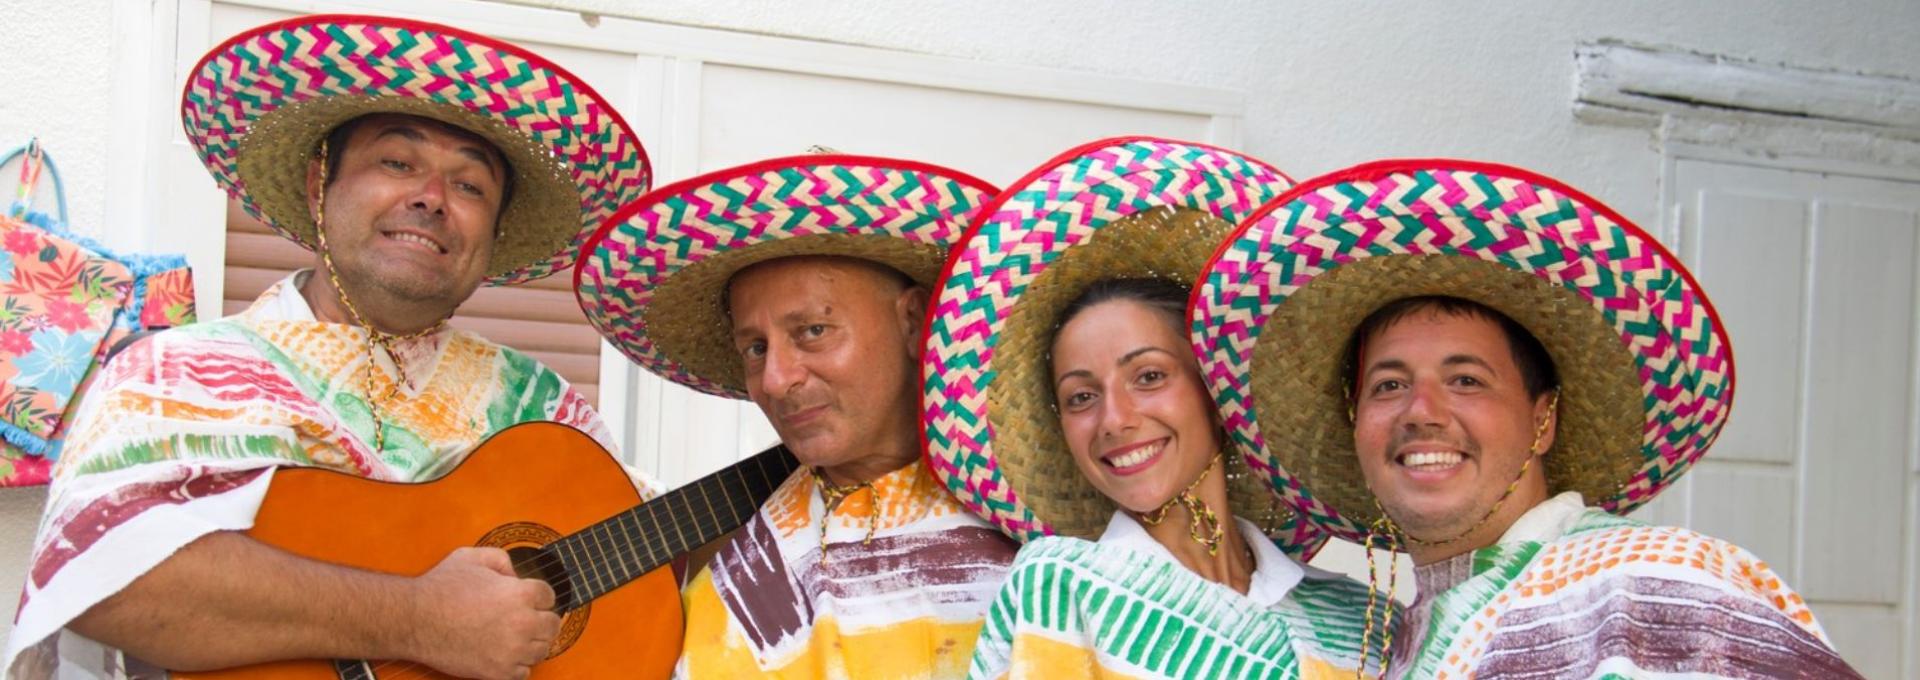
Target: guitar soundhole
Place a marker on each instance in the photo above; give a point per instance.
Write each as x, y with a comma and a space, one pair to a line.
523, 542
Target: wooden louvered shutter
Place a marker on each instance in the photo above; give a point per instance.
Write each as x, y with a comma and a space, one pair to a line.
539, 318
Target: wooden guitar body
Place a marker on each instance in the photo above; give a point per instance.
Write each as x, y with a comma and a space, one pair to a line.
524, 488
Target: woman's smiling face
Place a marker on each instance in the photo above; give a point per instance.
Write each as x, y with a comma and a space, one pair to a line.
1133, 409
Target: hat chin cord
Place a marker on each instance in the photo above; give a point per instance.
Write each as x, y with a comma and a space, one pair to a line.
376, 403
832, 495
1391, 536
1203, 525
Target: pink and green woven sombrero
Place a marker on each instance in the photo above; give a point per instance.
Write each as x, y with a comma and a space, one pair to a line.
257, 107
1646, 369
1124, 207
652, 278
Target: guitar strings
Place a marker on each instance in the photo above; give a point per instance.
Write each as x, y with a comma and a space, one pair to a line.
548, 558
413, 670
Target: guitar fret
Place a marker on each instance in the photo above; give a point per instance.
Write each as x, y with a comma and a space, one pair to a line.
599, 577
746, 489
607, 555
623, 544
616, 568
651, 539
726, 503
570, 561
610, 570
763, 475
709, 501
599, 568
659, 539
682, 534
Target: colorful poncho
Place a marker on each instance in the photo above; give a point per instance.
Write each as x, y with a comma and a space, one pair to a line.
906, 604
1574, 592
1125, 608
182, 432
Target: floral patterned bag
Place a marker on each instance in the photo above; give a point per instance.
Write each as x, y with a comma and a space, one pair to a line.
64, 302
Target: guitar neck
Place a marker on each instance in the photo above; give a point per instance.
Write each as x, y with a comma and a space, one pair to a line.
620, 549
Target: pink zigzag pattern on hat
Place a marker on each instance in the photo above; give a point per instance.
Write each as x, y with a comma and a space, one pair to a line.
672, 232
1011, 246
1683, 359
287, 64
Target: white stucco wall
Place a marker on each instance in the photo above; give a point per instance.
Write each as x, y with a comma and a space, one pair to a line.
1328, 84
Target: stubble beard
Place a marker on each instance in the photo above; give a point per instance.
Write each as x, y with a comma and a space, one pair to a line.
1448, 522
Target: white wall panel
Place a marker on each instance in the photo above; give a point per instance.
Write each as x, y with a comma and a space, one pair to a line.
1671, 507
1755, 245
749, 113
1814, 274
1913, 583
1860, 356
1750, 505
1867, 636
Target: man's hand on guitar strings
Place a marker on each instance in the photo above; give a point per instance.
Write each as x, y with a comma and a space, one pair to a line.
478, 619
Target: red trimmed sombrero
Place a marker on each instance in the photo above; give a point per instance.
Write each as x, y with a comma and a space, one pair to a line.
1124, 207
1646, 369
651, 279
257, 107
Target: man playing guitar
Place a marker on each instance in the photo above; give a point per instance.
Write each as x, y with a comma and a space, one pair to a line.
418, 162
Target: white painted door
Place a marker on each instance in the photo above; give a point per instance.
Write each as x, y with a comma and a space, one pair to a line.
1818, 471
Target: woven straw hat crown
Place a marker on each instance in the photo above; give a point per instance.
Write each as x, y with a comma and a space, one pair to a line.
651, 280
1646, 370
257, 107
1115, 208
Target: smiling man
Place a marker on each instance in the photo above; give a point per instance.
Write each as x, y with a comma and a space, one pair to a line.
410, 201
1490, 369
1452, 399
800, 283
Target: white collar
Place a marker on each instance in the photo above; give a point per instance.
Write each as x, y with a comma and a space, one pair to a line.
1547, 521
283, 301
1274, 574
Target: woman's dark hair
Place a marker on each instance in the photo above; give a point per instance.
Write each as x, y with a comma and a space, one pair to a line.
1157, 294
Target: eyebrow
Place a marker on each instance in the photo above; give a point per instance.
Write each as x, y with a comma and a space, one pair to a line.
1124, 359
413, 134
1458, 359
794, 317
1451, 360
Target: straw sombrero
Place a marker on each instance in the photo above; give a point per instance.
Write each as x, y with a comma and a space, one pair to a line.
257, 107
1646, 371
652, 278
1127, 207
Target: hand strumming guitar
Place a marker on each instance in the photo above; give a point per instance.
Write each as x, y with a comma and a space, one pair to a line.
478, 619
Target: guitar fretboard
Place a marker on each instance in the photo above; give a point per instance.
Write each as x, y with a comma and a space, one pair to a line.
620, 549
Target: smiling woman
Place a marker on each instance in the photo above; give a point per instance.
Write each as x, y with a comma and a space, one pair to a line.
1105, 452
1139, 422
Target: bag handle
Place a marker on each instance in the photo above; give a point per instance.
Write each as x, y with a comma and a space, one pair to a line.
35, 159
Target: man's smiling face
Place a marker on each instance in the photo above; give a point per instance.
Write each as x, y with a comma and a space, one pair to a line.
1443, 422
412, 208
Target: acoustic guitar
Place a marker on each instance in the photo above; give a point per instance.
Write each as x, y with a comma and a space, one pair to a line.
565, 512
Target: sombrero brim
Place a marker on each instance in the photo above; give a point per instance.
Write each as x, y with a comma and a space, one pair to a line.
256, 108
652, 277
1646, 370
1127, 207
